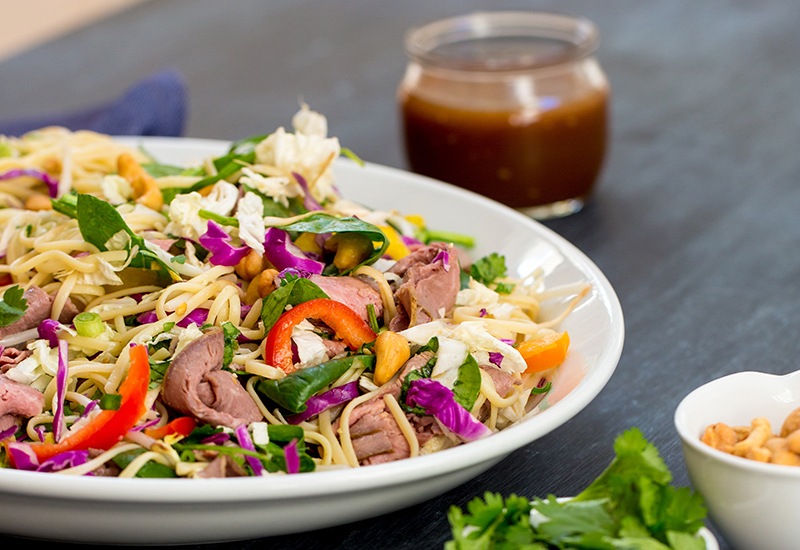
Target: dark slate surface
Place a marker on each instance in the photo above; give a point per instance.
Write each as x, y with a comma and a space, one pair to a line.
695, 222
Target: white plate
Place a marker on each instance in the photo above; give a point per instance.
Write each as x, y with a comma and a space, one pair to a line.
157, 511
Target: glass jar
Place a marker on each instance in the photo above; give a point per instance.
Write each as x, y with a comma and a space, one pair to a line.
511, 105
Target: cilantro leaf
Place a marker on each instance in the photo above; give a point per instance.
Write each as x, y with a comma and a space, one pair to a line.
630, 506
493, 523
490, 268
230, 334
573, 520
12, 306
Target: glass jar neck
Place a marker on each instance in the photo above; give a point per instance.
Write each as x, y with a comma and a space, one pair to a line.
499, 42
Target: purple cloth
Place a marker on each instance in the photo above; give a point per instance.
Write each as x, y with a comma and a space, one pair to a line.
155, 106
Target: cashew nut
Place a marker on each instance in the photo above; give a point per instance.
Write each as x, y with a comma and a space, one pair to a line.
792, 423
760, 433
721, 437
37, 202
145, 189
780, 452
261, 286
391, 353
251, 265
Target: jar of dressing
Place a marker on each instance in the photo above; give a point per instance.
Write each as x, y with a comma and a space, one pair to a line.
511, 105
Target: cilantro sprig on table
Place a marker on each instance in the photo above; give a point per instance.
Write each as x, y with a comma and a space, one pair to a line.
631, 505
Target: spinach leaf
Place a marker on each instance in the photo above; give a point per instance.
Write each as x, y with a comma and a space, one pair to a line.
150, 469
468, 383
99, 222
273, 208
284, 433
226, 166
12, 306
292, 391
158, 170
246, 145
325, 223
292, 292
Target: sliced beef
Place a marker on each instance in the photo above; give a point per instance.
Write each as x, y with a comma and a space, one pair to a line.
375, 434
17, 401
39, 306
354, 292
194, 384
503, 382
334, 347
429, 285
11, 357
425, 427
107, 469
222, 466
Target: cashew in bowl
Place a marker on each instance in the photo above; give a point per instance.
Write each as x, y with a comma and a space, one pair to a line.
757, 441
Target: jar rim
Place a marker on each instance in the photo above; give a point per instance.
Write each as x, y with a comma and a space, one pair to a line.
578, 37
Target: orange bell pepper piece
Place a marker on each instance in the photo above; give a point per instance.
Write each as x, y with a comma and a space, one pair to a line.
107, 428
545, 353
345, 322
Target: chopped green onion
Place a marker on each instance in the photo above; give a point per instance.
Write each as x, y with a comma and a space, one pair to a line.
222, 220
428, 236
89, 324
373, 318
543, 389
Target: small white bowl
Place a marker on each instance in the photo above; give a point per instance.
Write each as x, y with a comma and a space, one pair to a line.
754, 505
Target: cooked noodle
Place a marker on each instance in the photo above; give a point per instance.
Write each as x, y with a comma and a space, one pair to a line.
152, 285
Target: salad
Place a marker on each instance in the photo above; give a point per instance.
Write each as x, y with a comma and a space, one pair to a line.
241, 318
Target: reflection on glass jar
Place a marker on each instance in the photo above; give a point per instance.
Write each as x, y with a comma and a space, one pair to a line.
511, 105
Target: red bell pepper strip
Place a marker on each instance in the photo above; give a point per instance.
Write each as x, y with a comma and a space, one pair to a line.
345, 322
181, 426
107, 428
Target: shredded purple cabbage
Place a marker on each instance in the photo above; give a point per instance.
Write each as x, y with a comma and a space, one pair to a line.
8, 432
50, 181
495, 358
246, 443
309, 202
41, 432
283, 254
68, 459
59, 424
411, 241
23, 455
143, 427
331, 398
197, 316
292, 457
216, 439
217, 241
48, 330
437, 400
445, 257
